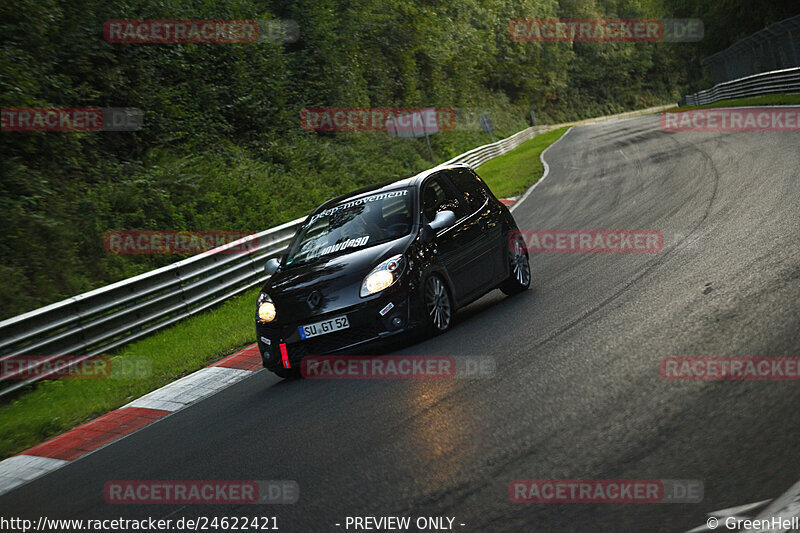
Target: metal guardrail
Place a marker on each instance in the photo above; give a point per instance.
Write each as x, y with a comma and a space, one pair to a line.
107, 318
480, 155
776, 81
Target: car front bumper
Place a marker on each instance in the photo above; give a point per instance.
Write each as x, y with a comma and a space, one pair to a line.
282, 348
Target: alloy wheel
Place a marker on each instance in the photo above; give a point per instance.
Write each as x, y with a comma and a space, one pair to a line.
520, 267
437, 302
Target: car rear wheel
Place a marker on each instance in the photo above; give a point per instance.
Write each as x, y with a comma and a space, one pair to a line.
520, 268
438, 304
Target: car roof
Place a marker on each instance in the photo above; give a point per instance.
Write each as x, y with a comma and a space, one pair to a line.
413, 181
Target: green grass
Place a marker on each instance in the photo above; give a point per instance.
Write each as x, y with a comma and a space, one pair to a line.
768, 99
57, 405
510, 174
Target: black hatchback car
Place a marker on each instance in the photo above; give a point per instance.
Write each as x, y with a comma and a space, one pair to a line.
385, 260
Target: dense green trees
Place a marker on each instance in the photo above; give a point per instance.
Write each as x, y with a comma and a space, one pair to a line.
222, 147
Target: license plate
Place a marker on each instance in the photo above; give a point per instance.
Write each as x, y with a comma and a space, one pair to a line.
326, 326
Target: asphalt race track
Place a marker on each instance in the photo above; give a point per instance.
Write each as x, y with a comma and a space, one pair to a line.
578, 392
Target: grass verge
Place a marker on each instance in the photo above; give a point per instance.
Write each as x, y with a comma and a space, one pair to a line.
510, 174
55, 406
767, 99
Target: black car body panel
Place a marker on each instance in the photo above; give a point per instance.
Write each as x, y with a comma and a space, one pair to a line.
470, 256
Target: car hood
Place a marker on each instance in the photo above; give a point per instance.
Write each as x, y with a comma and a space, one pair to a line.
337, 279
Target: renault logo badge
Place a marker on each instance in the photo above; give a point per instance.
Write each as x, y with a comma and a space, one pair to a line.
314, 299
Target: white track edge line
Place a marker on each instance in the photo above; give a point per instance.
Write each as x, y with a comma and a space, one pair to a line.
546, 171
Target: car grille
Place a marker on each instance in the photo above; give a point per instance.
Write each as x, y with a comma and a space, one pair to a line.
332, 341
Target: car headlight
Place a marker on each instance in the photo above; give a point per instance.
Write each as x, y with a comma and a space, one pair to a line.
383, 276
266, 309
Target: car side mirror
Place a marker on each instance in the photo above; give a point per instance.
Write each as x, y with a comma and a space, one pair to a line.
443, 219
271, 266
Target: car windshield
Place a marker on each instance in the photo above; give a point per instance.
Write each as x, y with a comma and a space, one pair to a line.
353, 224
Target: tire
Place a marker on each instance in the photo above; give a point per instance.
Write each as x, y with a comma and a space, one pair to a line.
519, 266
439, 308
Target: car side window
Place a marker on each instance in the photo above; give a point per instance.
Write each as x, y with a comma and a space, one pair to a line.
438, 195
471, 187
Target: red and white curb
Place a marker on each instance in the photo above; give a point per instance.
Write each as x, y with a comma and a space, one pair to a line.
111, 427
189, 389
509, 201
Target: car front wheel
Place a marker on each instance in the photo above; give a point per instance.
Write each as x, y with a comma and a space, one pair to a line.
438, 304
